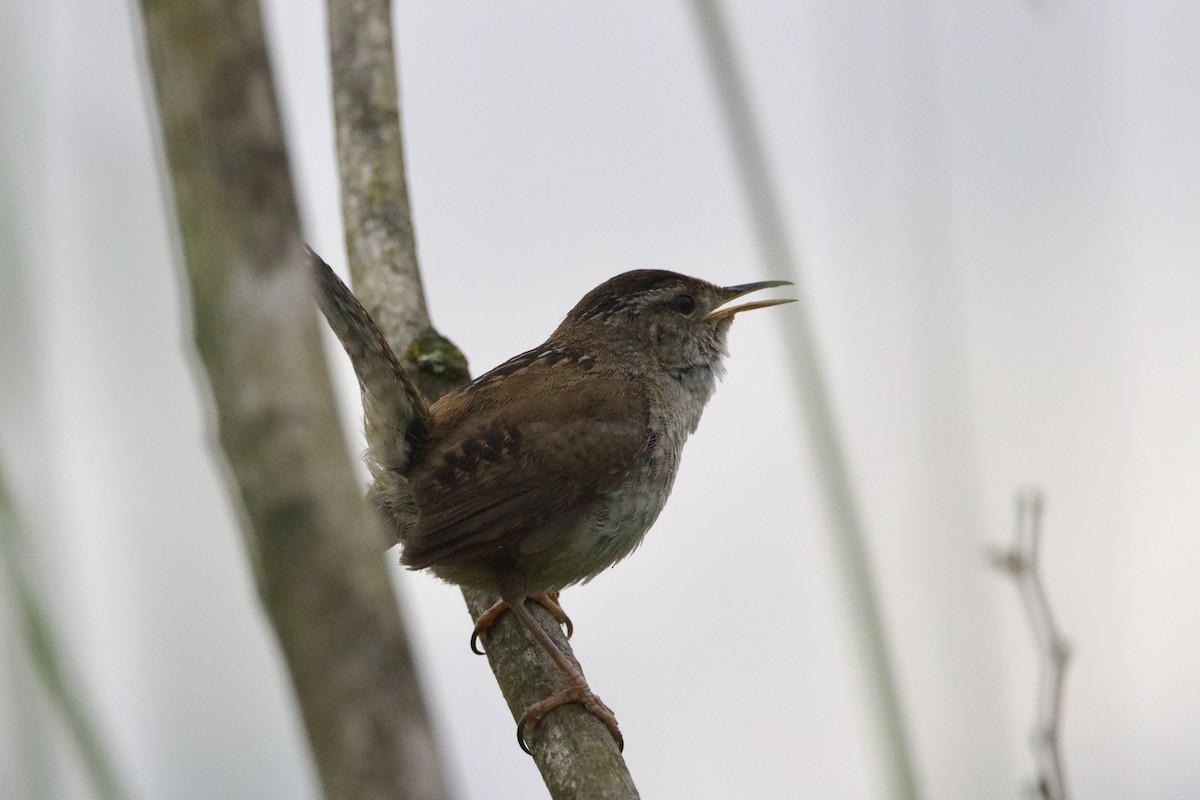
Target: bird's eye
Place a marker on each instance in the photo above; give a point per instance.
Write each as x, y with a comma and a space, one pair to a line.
684, 304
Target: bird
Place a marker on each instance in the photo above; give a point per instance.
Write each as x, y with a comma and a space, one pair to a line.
550, 468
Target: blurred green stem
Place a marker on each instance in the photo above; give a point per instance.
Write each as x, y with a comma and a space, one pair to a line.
49, 661
845, 521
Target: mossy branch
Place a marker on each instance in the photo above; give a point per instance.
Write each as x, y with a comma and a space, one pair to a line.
319, 574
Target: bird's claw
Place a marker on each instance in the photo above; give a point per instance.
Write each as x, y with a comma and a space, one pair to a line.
487, 619
574, 694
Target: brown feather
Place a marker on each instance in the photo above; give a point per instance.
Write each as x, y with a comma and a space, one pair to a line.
513, 474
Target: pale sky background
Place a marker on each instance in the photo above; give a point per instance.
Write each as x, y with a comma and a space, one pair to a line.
997, 209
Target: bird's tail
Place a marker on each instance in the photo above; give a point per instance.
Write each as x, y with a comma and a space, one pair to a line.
396, 414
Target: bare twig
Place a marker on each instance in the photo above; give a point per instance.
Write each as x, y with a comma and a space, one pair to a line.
1021, 562
845, 522
316, 561
573, 750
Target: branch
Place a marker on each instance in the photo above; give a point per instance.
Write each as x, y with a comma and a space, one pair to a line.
380, 243
1021, 562
317, 568
573, 750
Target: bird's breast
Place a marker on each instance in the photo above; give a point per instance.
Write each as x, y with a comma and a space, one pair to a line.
620, 518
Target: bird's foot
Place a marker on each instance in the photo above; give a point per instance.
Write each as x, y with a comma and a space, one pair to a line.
578, 692
487, 619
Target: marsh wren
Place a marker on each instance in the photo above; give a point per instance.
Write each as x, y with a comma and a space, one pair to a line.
550, 468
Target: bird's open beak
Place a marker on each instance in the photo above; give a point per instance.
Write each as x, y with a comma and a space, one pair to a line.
734, 292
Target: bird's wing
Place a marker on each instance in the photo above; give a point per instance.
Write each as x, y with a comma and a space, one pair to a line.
511, 473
